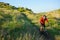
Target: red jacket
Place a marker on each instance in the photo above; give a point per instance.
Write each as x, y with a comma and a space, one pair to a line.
42, 21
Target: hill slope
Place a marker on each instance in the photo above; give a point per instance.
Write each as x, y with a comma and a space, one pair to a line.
23, 24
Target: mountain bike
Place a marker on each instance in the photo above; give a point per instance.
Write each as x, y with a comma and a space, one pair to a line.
45, 33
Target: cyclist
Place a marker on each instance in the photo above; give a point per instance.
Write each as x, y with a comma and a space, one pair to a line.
42, 22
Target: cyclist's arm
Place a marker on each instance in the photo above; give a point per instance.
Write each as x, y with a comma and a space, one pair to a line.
47, 21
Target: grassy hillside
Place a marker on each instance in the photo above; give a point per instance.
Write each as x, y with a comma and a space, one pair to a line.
23, 24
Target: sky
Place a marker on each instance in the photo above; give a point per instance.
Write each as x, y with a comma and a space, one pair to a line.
35, 5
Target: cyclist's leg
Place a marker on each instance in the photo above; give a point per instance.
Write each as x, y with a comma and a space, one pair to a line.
42, 27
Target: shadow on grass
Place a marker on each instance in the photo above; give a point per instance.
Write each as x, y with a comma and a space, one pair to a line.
54, 33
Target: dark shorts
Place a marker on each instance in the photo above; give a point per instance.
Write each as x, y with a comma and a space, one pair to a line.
43, 25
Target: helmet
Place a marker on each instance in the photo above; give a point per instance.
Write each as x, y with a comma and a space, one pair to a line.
44, 15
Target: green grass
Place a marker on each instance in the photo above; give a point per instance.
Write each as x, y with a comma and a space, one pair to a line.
22, 24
